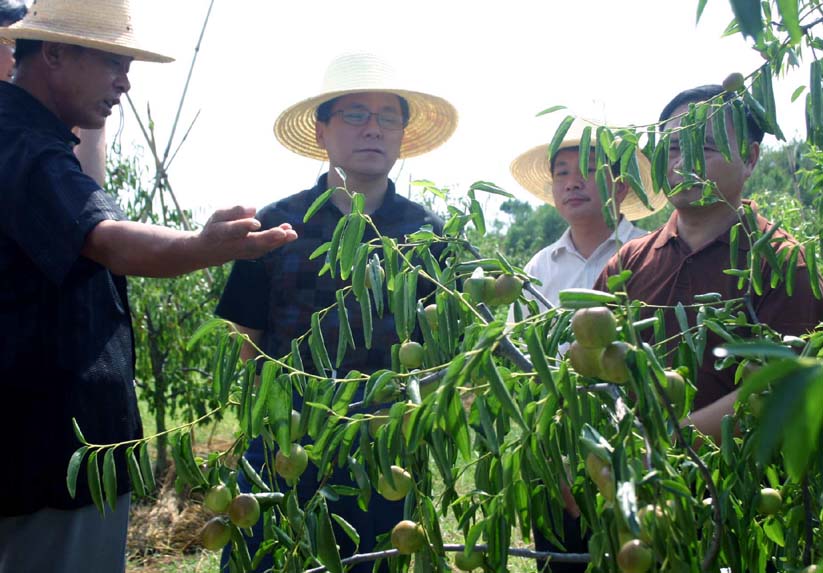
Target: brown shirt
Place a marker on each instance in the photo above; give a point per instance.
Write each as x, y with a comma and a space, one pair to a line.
665, 272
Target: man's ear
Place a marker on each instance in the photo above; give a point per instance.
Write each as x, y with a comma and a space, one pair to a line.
53, 53
754, 155
621, 189
319, 134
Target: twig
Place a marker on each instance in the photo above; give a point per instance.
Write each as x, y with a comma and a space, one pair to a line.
454, 548
809, 534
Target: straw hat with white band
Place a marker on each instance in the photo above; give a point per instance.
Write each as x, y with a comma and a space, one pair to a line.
432, 119
533, 171
104, 25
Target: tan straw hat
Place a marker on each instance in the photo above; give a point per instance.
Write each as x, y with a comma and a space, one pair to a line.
104, 25
533, 171
432, 120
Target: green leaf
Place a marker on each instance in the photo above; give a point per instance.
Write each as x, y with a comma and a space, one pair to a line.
791, 270
334, 244
78, 434
347, 528
811, 266
205, 329
501, 392
327, 552
748, 16
584, 151
552, 109
721, 136
317, 346
352, 238
280, 406
146, 469
754, 349
110, 478
701, 4
585, 298
318, 203
774, 530
93, 476
796, 93
74, 469
488, 187
134, 472
345, 338
252, 475
791, 20
322, 249
559, 135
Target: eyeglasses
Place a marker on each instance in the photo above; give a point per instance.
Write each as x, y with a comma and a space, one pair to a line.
386, 119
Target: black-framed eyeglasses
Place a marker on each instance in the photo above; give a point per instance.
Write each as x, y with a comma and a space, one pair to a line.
386, 119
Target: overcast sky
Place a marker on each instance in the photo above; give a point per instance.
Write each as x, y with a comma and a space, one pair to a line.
499, 63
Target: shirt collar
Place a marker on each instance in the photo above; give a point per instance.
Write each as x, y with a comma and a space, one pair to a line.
623, 232
669, 231
19, 108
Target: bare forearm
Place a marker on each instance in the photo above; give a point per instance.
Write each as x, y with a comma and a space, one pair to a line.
708, 420
128, 248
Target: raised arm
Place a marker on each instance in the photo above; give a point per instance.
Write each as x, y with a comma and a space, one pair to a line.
129, 248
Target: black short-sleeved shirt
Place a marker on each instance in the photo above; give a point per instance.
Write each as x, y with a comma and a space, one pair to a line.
279, 292
67, 347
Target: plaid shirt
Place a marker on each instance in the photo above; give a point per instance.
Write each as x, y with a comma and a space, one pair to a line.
279, 292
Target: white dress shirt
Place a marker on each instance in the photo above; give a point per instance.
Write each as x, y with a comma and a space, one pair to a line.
560, 266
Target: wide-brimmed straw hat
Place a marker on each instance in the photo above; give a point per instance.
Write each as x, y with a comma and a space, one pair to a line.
532, 170
104, 25
432, 120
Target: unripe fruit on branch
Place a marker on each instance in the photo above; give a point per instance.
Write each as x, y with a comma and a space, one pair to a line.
634, 557
402, 484
291, 465
594, 327
613, 366
215, 534
218, 499
407, 537
411, 355
585, 361
244, 510
769, 501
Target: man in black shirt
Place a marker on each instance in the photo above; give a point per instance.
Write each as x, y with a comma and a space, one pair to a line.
65, 247
361, 122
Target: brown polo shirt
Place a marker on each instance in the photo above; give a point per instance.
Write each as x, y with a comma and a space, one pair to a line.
665, 272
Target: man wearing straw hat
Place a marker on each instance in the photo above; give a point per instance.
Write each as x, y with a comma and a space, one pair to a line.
576, 259
578, 256
361, 122
65, 248
688, 254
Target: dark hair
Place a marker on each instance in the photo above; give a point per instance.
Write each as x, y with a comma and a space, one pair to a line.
25, 48
705, 93
323, 113
11, 11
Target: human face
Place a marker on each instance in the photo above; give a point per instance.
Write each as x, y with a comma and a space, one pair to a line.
576, 198
86, 84
728, 176
365, 150
6, 60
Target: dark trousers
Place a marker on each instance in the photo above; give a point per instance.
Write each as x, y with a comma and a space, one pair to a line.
381, 517
573, 541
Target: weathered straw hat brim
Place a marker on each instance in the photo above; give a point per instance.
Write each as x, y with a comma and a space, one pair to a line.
432, 120
30, 31
533, 171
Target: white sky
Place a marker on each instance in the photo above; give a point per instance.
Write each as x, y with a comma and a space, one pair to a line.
499, 63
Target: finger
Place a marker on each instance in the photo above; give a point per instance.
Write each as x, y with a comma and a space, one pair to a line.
232, 214
258, 244
236, 229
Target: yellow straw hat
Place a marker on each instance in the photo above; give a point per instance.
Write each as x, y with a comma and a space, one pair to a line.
104, 25
432, 120
533, 171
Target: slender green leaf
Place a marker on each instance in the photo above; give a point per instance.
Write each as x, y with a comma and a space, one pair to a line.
748, 16
351, 241
318, 203
585, 150
146, 469
559, 135
74, 469
791, 19
134, 472
720, 135
93, 476
552, 109
77, 433
205, 329
110, 478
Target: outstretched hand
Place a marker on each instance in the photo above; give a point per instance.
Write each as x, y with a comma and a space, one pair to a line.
234, 234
